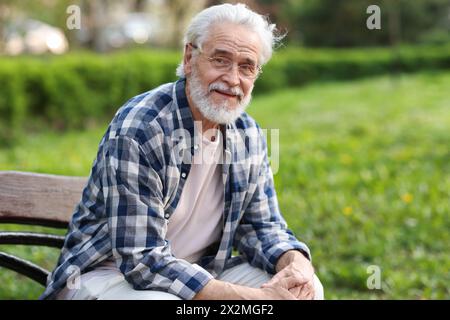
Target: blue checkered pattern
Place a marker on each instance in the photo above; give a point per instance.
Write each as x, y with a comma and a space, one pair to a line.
136, 182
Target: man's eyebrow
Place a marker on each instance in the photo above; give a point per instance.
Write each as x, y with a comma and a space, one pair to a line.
222, 52
250, 61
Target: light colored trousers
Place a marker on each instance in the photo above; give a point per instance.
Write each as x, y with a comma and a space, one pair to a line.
108, 283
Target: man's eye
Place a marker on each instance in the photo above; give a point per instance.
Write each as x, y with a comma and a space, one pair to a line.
221, 61
247, 67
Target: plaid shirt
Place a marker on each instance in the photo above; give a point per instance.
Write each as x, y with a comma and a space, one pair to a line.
136, 182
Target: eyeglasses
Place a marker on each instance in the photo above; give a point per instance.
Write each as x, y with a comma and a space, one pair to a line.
225, 64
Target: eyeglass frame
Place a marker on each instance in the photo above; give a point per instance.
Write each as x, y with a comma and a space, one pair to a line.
210, 59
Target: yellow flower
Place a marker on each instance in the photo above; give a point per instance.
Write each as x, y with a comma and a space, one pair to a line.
348, 211
407, 197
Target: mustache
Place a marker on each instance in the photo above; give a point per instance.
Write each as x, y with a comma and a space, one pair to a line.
226, 89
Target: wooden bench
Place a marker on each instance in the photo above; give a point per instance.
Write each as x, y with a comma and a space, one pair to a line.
40, 200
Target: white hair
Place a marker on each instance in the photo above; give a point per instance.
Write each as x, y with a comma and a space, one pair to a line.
238, 14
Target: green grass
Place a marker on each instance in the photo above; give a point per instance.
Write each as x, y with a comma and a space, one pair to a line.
364, 179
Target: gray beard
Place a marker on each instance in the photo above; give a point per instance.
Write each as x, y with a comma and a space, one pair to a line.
217, 113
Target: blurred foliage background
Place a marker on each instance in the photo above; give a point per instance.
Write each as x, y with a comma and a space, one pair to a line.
364, 118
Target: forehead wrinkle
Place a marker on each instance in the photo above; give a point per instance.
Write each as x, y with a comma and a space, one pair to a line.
234, 39
234, 44
227, 53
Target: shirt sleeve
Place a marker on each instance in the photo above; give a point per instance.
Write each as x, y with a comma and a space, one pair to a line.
137, 225
262, 235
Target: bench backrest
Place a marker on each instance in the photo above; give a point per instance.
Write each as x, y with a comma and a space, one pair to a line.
38, 199
35, 199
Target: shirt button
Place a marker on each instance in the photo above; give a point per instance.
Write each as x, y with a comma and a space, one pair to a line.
183, 174
166, 216
196, 147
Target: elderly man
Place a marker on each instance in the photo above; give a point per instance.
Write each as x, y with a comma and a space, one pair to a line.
175, 186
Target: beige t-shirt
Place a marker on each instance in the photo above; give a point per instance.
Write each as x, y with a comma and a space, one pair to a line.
196, 222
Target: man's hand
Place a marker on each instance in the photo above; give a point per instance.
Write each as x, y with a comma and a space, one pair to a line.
294, 280
220, 290
294, 273
278, 290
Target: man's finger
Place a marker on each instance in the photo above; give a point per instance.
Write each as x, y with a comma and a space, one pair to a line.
307, 291
290, 282
275, 279
295, 291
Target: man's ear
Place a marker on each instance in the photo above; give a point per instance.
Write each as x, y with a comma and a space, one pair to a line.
187, 59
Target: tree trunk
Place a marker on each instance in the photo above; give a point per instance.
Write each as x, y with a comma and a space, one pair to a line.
96, 18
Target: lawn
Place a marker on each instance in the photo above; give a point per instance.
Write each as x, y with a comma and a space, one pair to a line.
363, 179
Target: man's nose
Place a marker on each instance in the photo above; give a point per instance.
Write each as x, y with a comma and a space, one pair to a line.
232, 77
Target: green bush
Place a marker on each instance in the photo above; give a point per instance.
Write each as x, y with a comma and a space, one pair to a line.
12, 102
77, 89
301, 66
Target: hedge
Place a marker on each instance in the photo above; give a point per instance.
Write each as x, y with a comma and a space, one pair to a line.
294, 67
76, 89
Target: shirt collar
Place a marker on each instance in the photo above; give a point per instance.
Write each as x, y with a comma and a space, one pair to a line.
185, 113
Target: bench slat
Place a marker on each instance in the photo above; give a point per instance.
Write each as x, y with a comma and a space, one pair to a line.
31, 238
38, 198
